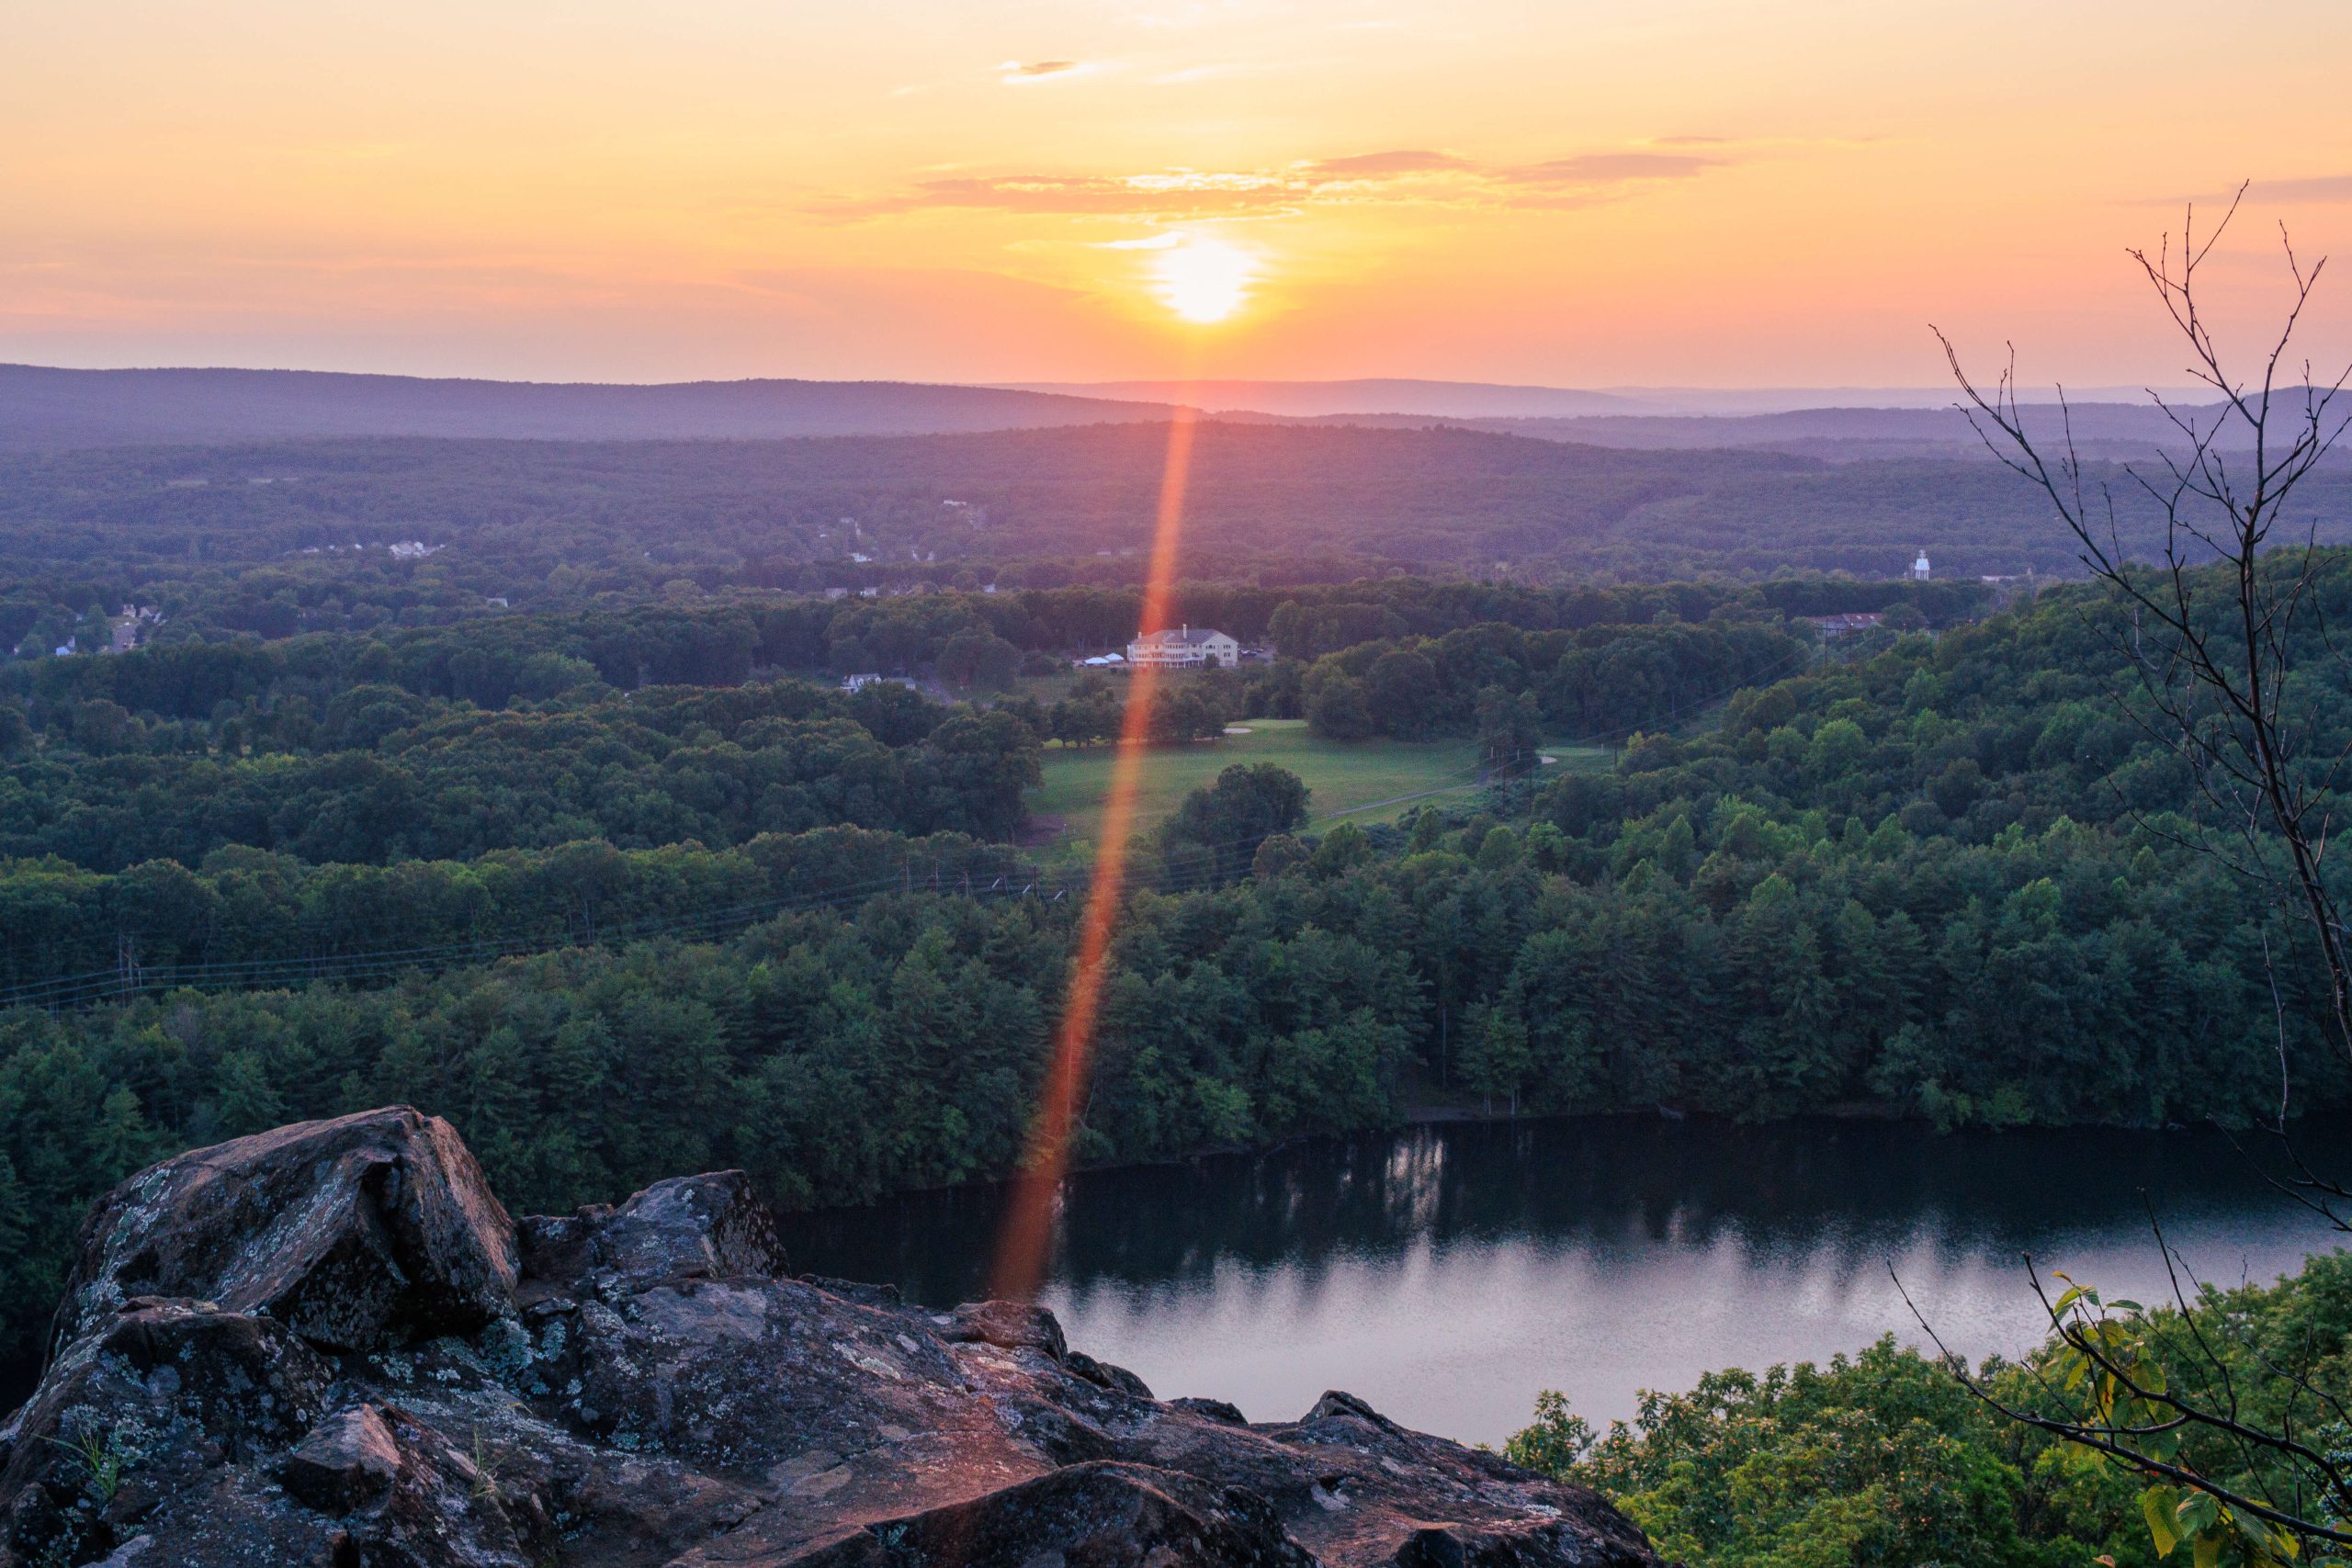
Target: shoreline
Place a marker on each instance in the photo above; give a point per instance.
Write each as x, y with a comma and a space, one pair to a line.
1851, 1112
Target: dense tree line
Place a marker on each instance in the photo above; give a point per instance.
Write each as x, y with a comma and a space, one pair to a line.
42, 608
380, 775
528, 731
1596, 680
183, 673
243, 907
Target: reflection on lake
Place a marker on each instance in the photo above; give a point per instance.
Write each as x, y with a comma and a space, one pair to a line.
1447, 1273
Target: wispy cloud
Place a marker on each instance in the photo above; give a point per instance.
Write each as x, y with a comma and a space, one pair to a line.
1014, 71
1177, 192
2321, 188
2325, 187
1403, 176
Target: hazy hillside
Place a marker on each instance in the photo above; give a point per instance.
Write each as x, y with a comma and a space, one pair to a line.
1261, 498
1482, 401
2115, 430
1394, 395
45, 407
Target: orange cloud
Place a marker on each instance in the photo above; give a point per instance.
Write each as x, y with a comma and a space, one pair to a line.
1014, 70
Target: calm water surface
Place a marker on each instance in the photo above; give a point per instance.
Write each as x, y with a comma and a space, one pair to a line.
1447, 1273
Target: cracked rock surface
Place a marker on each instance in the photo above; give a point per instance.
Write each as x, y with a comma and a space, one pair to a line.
331, 1344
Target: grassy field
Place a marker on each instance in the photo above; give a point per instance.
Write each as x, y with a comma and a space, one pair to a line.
1371, 780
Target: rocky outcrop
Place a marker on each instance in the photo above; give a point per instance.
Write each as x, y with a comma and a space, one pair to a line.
330, 1345
353, 1233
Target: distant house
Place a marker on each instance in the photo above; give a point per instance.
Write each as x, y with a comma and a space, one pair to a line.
859, 682
1186, 649
1832, 627
1919, 567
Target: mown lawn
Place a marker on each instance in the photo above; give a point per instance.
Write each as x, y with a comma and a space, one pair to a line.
1369, 781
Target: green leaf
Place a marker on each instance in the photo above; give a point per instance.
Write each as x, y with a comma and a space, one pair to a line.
2157, 1504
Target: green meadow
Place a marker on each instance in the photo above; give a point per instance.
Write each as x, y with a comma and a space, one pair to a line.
1364, 780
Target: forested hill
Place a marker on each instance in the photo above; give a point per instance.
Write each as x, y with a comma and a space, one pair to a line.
1943, 875
1060, 502
42, 408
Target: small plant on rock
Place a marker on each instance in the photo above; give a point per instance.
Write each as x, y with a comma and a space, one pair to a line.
102, 1454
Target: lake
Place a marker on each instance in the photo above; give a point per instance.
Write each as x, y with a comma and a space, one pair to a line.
1446, 1273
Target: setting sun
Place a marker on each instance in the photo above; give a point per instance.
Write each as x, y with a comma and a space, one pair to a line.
1202, 280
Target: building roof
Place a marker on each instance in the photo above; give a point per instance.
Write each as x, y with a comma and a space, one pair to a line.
1191, 636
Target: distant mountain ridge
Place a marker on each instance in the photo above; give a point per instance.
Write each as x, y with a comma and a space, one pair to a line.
1369, 395
1485, 400
43, 408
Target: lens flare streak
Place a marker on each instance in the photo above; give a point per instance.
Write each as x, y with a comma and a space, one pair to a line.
1025, 1246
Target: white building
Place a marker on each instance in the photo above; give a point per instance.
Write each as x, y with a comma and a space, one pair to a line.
1185, 650
1919, 567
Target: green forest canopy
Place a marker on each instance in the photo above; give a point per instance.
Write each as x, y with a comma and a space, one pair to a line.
1946, 876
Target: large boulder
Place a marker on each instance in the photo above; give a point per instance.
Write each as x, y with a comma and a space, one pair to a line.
365, 1230
1102, 1516
328, 1345
689, 1227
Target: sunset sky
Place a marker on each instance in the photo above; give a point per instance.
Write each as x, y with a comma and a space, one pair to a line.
1678, 192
